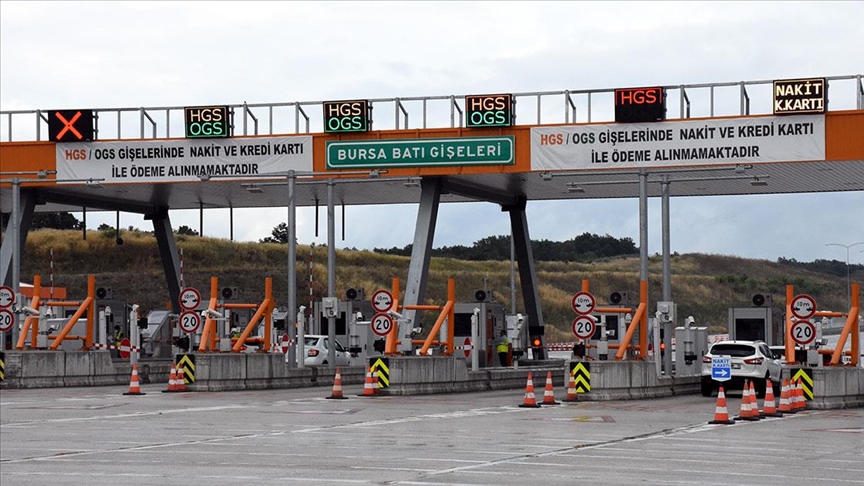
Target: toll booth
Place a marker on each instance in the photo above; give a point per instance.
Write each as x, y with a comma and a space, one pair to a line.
752, 324
320, 322
691, 343
156, 339
490, 325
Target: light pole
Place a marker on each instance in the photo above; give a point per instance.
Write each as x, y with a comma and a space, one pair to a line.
848, 291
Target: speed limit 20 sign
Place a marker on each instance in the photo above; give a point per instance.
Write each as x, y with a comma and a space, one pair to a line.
189, 322
803, 332
382, 324
583, 327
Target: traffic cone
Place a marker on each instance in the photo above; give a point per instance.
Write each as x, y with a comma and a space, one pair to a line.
769, 409
134, 386
337, 387
754, 404
549, 394
747, 412
572, 394
800, 402
530, 401
172, 381
376, 383
721, 415
368, 387
785, 406
180, 383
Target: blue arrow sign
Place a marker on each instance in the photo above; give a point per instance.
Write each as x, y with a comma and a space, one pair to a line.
721, 368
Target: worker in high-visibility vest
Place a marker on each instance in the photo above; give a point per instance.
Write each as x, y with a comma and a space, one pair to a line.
502, 347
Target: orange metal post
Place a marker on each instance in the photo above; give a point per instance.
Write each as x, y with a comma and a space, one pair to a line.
69, 325
91, 311
790, 346
851, 327
585, 285
393, 338
451, 315
208, 334
263, 309
643, 322
641, 313
434, 332
31, 322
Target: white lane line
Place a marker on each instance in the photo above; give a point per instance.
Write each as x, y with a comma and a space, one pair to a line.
124, 415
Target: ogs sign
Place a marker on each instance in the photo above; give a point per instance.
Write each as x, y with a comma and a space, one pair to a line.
207, 122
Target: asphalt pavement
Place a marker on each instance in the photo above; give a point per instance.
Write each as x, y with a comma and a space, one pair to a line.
99, 436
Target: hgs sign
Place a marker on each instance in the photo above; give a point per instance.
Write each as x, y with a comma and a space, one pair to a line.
488, 111
207, 122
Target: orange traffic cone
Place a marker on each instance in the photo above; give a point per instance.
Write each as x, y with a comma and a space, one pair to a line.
337, 387
769, 409
549, 394
369, 386
800, 402
747, 412
376, 383
530, 401
754, 404
172, 380
134, 386
572, 394
785, 405
180, 383
721, 415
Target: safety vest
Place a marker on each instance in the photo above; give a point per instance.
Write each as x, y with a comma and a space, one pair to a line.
503, 345
118, 337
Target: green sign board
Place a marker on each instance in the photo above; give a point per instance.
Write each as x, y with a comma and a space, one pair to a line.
425, 152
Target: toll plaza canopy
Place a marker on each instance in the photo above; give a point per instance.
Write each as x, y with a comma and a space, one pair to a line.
753, 137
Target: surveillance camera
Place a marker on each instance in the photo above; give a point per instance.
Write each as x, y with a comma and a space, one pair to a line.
394, 314
359, 316
107, 310
211, 314
30, 310
476, 311
519, 318
135, 307
302, 308
690, 320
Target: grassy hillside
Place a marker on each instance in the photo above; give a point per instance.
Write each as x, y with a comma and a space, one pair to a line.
703, 286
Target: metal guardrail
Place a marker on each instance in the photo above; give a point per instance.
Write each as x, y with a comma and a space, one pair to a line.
532, 108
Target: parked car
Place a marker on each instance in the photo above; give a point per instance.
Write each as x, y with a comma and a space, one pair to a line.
779, 353
317, 350
750, 360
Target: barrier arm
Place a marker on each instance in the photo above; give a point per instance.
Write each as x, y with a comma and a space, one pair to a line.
393, 337
208, 334
851, 327
636, 322
263, 310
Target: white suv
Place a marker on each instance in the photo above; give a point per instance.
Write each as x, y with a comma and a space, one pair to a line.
750, 360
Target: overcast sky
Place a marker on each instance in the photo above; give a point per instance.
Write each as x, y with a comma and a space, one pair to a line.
128, 54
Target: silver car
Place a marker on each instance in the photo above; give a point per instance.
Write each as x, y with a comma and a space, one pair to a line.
317, 350
750, 360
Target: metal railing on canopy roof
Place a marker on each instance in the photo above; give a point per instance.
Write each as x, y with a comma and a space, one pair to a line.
705, 100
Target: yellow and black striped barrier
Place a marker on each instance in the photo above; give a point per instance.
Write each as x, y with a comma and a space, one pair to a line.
581, 372
806, 377
187, 362
2, 366
382, 367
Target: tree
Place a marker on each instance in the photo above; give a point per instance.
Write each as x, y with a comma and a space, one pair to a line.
185, 230
280, 235
61, 221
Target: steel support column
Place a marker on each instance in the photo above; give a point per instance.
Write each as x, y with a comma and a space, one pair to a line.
168, 254
290, 324
331, 267
525, 259
424, 233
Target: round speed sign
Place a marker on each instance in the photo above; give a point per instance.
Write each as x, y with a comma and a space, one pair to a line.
583, 327
189, 322
7, 297
382, 324
189, 298
7, 320
803, 332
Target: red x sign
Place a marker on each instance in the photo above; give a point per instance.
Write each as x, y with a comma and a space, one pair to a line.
70, 125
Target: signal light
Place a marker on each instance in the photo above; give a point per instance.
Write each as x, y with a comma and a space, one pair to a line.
537, 343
